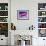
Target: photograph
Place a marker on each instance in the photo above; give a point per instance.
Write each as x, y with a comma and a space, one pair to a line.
23, 14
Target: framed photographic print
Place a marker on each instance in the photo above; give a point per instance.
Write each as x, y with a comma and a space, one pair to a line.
23, 14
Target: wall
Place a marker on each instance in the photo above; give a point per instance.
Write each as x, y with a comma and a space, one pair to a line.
32, 6
24, 5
